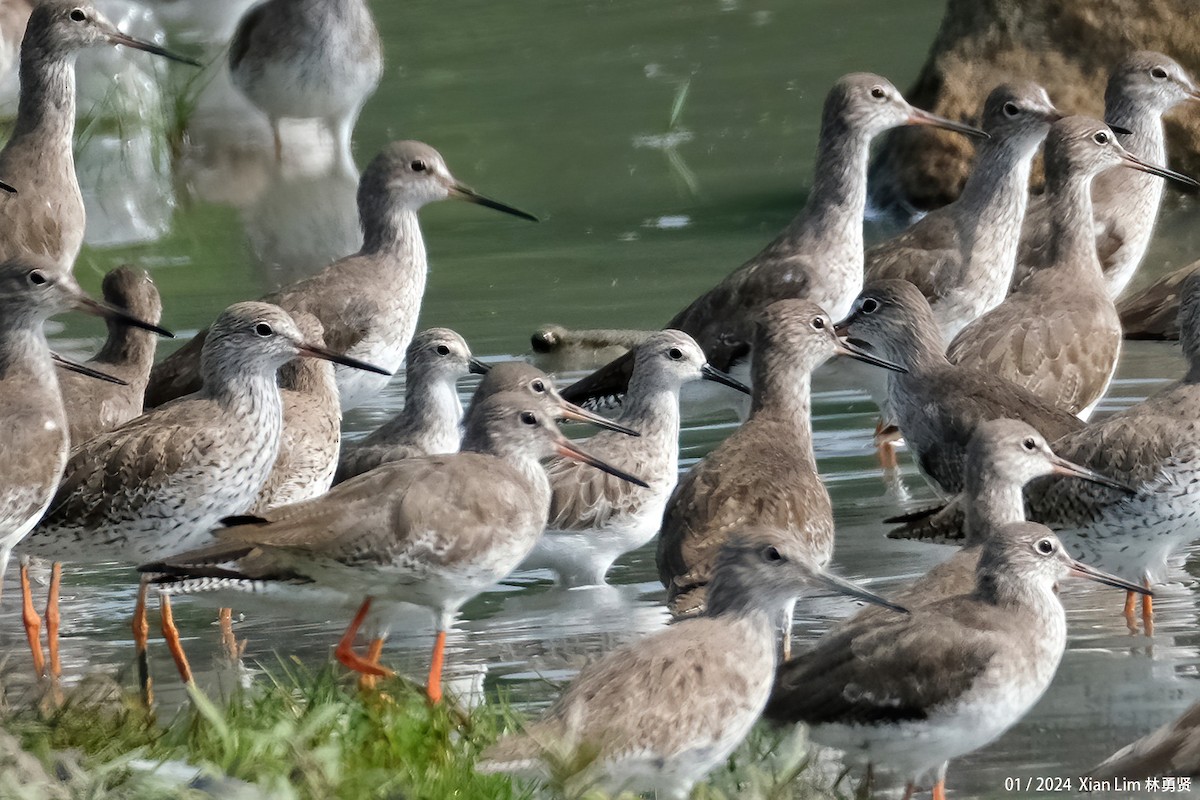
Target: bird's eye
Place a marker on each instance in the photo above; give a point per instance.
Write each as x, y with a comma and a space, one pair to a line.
538, 386
442, 350
263, 329
78, 15
675, 353
818, 323
528, 418
418, 166
1045, 546
1100, 137
869, 305
1158, 73
1011, 110
878, 93
37, 277
771, 553
1029, 443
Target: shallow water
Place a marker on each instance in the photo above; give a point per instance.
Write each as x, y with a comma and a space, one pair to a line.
566, 110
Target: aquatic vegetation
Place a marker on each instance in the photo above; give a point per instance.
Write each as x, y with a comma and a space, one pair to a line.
303, 734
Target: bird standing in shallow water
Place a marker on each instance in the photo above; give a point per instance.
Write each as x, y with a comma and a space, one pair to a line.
817, 257
161, 481
45, 217
660, 713
595, 518
128, 355
368, 302
432, 531
306, 59
765, 473
912, 692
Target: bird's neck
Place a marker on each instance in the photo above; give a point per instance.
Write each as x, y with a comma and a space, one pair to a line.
992, 500
1072, 230
25, 353
838, 198
249, 393
1146, 138
46, 107
993, 202
433, 406
652, 408
728, 596
392, 230
782, 391
312, 377
127, 345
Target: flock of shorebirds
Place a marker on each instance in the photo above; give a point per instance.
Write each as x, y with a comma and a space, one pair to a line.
987, 332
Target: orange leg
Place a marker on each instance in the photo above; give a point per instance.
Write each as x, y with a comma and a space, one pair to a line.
939, 789
909, 790
433, 689
33, 623
229, 642
53, 619
171, 634
374, 651
141, 636
345, 654
1148, 611
1130, 605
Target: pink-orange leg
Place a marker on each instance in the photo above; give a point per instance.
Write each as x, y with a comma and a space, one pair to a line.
939, 790
229, 642
141, 638
345, 654
433, 688
53, 620
374, 651
1148, 611
171, 634
33, 623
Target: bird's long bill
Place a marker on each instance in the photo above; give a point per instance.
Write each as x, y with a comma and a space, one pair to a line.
573, 412
919, 117
472, 196
477, 367
711, 373
116, 37
93, 306
568, 449
846, 348
7, 188
1079, 570
1133, 162
84, 369
1064, 467
313, 351
843, 586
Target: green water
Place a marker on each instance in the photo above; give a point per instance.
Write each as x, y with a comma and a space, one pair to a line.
566, 109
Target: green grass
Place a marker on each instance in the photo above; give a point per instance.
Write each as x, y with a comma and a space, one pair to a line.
300, 734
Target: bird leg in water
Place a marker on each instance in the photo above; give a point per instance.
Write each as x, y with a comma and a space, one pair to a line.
433, 689
1148, 610
141, 636
345, 648
886, 438
33, 623
229, 643
171, 634
53, 619
939, 789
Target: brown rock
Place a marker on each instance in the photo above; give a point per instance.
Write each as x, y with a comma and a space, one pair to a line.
1067, 46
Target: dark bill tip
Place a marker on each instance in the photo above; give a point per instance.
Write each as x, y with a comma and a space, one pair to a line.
573, 412
93, 306
851, 349
472, 196
5, 187
711, 373
313, 351
477, 367
1080, 570
1064, 467
1133, 162
850, 589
